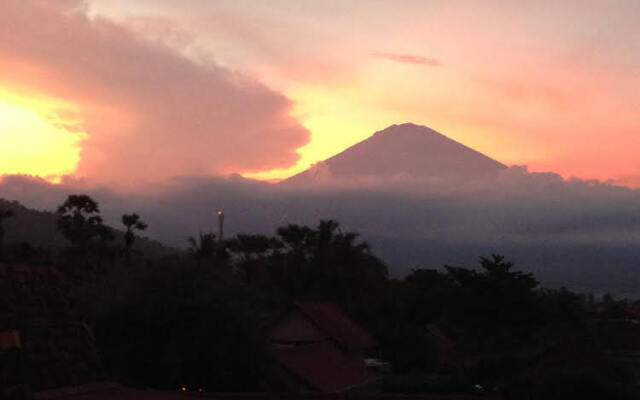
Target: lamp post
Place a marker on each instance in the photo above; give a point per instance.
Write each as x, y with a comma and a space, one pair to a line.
220, 225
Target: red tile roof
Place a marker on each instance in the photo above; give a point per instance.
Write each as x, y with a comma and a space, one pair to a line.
324, 367
333, 321
10, 339
447, 350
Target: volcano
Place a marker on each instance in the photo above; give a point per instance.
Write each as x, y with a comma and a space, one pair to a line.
404, 150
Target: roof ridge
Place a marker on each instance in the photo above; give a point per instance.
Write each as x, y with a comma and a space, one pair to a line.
354, 336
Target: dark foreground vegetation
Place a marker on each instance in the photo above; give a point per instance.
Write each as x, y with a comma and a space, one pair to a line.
201, 319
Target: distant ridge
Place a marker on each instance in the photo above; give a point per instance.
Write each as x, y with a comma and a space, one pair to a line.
404, 150
39, 228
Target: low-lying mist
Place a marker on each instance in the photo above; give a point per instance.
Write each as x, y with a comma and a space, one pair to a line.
581, 234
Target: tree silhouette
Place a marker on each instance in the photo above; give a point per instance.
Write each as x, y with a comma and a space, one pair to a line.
171, 326
80, 221
204, 247
326, 263
253, 250
4, 214
495, 302
132, 222
296, 237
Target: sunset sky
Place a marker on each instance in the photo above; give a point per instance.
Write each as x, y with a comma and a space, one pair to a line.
121, 91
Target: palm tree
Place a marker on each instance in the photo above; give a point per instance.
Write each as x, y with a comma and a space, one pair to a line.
252, 249
325, 262
132, 222
203, 247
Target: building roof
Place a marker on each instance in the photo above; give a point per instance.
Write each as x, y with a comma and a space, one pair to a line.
10, 339
323, 367
113, 391
336, 324
107, 391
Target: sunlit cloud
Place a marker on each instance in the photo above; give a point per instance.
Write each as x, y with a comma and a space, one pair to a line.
39, 136
408, 59
148, 112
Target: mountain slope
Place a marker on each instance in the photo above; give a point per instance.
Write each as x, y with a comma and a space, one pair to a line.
39, 228
405, 150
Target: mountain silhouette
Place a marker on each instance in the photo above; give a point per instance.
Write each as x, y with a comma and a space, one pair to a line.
404, 150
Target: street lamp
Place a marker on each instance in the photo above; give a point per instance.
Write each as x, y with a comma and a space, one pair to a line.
220, 225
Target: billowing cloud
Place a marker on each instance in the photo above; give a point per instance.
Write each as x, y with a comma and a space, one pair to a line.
408, 59
149, 112
553, 85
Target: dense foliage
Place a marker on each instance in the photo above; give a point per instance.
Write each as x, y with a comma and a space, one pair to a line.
201, 319
174, 325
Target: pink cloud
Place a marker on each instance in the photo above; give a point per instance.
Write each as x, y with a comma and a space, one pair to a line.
149, 112
408, 59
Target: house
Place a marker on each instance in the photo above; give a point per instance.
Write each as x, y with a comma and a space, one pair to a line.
322, 350
448, 355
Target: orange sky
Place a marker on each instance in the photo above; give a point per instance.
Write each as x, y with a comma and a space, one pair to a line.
115, 91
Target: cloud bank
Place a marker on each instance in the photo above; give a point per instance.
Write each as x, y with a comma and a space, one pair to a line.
149, 112
582, 234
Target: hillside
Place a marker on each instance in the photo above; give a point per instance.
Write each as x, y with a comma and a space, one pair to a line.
39, 229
